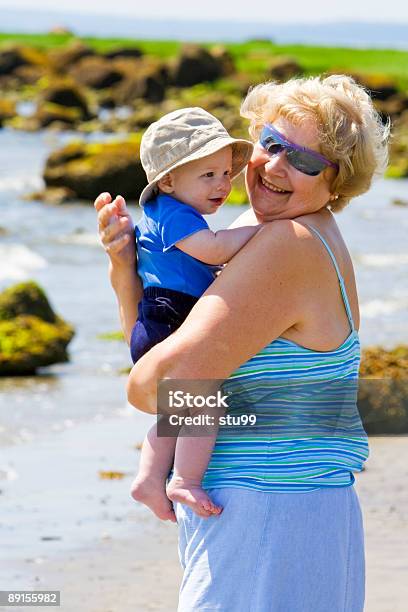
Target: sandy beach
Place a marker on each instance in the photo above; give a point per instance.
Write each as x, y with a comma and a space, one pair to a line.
67, 529
382, 488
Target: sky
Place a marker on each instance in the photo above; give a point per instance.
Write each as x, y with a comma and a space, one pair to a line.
242, 10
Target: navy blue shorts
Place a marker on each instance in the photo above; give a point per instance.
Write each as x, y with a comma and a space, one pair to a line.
161, 312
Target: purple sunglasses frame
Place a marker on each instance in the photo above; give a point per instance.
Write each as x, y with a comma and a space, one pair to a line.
280, 139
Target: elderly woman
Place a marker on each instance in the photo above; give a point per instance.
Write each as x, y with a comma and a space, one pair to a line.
290, 537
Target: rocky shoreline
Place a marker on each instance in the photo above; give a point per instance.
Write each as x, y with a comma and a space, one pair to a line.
122, 90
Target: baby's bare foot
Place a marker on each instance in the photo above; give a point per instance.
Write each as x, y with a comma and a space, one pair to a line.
152, 493
192, 494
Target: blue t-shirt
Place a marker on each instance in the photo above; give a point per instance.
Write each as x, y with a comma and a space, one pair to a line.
164, 222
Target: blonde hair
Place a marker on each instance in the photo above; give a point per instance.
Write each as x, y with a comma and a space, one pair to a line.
350, 130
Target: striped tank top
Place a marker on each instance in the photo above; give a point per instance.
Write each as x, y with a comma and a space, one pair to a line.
292, 423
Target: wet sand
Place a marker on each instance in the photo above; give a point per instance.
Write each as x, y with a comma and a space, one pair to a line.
383, 491
63, 527
130, 561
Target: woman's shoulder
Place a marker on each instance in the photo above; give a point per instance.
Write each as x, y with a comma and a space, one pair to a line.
308, 232
323, 221
288, 235
294, 244
323, 226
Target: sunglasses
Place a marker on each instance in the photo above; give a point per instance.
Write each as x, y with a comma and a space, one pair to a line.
303, 159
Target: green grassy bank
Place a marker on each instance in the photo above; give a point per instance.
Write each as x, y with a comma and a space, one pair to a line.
252, 56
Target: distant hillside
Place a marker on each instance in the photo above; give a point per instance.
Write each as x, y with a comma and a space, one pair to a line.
368, 35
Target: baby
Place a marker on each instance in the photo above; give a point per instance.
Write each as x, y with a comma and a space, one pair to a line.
190, 160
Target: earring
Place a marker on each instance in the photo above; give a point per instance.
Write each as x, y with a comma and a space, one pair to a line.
333, 197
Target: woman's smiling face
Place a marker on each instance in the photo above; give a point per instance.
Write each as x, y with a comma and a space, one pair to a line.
276, 190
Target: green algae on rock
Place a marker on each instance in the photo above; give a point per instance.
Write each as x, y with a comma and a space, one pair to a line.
7, 110
87, 169
398, 167
116, 336
31, 334
48, 114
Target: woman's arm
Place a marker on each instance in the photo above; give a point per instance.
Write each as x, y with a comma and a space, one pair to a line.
258, 297
116, 232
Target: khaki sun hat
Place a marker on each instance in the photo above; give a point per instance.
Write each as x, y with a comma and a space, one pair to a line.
183, 136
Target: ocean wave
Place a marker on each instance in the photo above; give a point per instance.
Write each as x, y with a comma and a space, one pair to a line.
375, 308
8, 473
21, 183
383, 260
18, 262
80, 238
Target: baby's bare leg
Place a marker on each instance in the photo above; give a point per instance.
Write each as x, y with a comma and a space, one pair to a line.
149, 486
190, 462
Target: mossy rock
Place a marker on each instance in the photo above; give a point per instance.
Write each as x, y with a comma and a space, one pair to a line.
7, 110
52, 195
25, 298
66, 94
142, 79
398, 166
284, 68
380, 86
34, 56
382, 363
64, 57
10, 59
144, 116
95, 72
224, 59
393, 107
29, 75
14, 59
24, 124
49, 113
73, 150
196, 65
89, 169
31, 334
147, 87
397, 169
383, 390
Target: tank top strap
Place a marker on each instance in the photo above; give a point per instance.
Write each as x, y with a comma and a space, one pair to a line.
339, 276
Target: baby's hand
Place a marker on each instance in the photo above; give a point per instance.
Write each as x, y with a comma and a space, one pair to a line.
116, 228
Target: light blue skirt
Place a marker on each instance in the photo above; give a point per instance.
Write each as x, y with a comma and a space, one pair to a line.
274, 552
